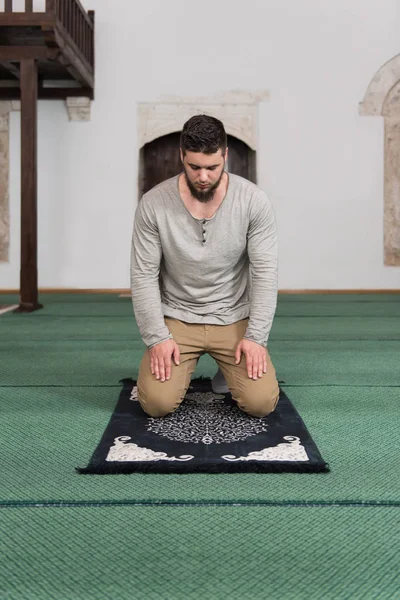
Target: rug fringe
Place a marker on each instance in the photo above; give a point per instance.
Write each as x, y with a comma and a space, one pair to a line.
248, 467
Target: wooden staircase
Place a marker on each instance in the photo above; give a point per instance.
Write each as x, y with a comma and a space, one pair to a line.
43, 55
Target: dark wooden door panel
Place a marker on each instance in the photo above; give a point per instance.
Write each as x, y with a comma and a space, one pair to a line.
160, 160
241, 159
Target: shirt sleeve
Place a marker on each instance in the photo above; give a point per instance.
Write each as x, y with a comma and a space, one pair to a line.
145, 270
262, 248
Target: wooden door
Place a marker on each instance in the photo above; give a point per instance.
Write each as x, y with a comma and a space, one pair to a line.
160, 160
241, 159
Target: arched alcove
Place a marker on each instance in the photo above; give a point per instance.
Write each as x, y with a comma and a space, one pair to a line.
382, 98
162, 120
159, 160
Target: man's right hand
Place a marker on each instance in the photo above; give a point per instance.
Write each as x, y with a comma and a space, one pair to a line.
160, 359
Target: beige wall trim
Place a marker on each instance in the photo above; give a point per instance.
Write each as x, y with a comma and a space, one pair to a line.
126, 293
382, 82
5, 108
364, 291
382, 98
236, 108
78, 108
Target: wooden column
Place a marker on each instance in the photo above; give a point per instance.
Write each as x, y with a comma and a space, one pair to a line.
29, 278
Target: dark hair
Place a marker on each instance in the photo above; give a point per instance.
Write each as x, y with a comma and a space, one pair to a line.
203, 134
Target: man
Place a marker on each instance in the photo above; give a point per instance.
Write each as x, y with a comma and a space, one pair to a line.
204, 278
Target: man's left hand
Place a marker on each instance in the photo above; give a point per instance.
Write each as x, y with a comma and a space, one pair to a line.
256, 358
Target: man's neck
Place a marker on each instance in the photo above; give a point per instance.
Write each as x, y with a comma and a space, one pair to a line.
198, 209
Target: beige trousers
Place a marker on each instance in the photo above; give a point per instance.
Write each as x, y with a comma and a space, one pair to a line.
256, 397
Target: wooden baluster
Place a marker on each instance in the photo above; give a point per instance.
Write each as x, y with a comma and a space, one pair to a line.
8, 5
67, 23
75, 31
91, 38
73, 20
85, 39
79, 30
51, 6
28, 6
84, 36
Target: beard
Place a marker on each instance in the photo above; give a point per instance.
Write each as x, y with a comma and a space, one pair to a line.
206, 195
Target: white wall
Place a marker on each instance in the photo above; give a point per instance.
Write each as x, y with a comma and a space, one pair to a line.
320, 162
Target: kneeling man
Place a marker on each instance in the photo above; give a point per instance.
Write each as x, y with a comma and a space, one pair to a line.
204, 278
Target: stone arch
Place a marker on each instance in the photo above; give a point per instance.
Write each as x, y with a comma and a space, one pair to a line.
391, 104
381, 84
237, 109
382, 98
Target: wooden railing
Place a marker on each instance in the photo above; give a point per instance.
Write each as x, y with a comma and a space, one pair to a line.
70, 14
10, 7
78, 23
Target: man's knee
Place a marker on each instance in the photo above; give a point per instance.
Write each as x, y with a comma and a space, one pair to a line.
259, 403
158, 401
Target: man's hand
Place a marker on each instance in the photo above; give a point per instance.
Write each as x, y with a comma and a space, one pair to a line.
256, 358
160, 359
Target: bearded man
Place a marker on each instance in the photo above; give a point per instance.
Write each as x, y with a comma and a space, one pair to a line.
204, 278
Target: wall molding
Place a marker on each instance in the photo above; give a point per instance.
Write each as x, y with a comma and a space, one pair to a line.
79, 108
125, 292
237, 109
382, 98
5, 109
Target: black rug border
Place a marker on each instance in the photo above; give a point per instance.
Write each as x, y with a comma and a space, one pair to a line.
164, 468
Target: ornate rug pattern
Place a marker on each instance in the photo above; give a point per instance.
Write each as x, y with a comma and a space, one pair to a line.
208, 433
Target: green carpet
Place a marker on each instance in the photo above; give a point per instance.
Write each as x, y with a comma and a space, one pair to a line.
354, 429
123, 328
322, 536
207, 553
103, 362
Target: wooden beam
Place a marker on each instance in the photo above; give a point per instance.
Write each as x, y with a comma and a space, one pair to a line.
28, 277
29, 6
47, 93
34, 19
8, 5
18, 53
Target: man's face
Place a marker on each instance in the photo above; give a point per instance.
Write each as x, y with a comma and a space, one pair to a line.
203, 173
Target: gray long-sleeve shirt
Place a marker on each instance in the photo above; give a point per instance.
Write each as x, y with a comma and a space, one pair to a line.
218, 277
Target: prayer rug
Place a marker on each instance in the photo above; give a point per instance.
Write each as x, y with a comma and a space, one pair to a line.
208, 433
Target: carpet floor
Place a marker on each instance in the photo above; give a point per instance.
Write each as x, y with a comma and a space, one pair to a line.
328, 536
